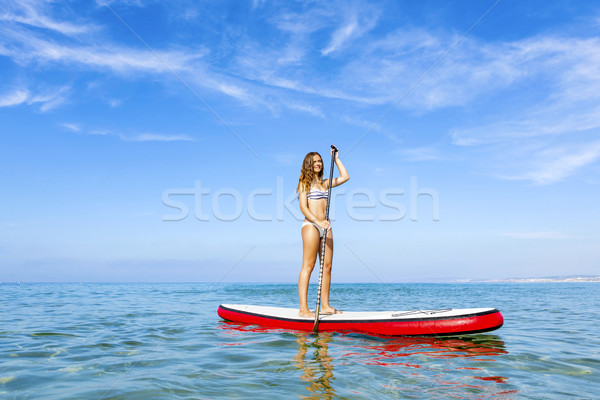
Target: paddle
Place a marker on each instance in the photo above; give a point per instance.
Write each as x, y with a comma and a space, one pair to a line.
323, 245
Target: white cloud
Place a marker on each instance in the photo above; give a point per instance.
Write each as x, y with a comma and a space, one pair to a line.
557, 163
153, 137
142, 137
302, 24
355, 24
26, 48
541, 121
34, 13
307, 108
233, 90
340, 36
71, 127
14, 98
49, 101
45, 100
541, 160
555, 134
98, 132
104, 3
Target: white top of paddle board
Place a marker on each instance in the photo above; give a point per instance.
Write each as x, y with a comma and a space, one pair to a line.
292, 313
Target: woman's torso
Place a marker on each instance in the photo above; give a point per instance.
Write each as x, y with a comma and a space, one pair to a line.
317, 200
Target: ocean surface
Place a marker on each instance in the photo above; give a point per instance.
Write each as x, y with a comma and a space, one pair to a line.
165, 341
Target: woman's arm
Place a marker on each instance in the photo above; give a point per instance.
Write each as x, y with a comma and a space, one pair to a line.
343, 173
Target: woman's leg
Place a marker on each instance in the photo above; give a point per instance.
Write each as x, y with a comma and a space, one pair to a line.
310, 248
327, 265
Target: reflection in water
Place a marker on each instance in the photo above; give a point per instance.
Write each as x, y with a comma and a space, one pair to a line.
397, 367
386, 351
429, 367
316, 365
410, 361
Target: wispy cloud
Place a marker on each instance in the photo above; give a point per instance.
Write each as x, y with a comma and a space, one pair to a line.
45, 100
153, 137
14, 98
556, 135
340, 36
139, 137
301, 24
545, 120
35, 13
557, 163
307, 108
50, 100
27, 48
71, 127
135, 3
355, 24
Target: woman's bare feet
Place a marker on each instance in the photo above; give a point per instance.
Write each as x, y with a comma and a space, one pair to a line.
306, 314
329, 311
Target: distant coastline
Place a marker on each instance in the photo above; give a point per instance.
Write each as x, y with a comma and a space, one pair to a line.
548, 279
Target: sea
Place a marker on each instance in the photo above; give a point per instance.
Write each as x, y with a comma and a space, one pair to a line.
166, 341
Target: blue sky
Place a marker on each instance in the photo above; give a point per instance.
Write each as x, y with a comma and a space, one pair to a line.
152, 141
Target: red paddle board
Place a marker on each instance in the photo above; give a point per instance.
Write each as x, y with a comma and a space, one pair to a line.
445, 322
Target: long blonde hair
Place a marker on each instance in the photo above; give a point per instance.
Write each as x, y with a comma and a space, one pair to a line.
307, 173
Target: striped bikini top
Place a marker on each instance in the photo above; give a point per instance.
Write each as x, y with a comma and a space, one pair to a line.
316, 194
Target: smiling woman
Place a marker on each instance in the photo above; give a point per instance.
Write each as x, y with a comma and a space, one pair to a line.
313, 197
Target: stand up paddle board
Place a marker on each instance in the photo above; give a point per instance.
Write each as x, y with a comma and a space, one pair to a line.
445, 322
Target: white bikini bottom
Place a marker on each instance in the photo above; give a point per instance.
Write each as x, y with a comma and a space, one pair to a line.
321, 230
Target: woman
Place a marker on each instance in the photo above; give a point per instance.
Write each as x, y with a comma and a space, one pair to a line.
312, 194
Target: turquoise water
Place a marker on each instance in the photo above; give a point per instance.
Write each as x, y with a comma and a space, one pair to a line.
165, 341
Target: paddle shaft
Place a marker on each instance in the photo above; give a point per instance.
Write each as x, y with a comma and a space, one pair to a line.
324, 242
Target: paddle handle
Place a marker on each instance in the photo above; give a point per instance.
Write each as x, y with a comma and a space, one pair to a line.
324, 241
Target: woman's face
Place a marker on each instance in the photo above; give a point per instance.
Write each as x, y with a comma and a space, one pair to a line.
317, 163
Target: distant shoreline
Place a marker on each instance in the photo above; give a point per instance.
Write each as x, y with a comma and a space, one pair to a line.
552, 279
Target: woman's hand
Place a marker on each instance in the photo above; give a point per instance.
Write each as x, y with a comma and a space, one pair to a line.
331, 151
323, 223
343, 173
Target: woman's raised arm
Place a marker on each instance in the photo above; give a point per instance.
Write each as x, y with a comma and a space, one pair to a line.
343, 173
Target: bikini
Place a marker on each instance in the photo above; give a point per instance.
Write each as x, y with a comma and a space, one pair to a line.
316, 194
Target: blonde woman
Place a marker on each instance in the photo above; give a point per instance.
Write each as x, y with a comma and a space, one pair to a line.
312, 194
